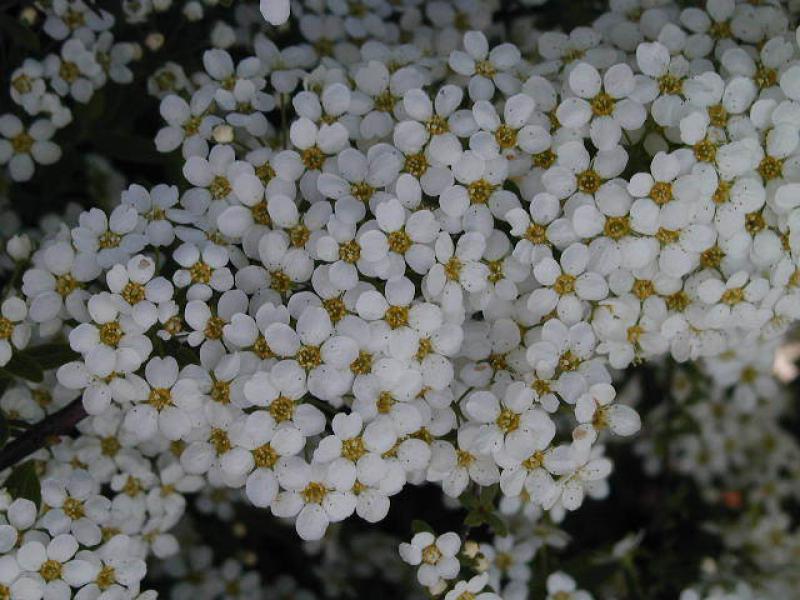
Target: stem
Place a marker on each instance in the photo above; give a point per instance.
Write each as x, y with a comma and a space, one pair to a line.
57, 424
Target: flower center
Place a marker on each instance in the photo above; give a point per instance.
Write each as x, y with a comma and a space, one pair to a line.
6, 328
313, 158
770, 168
350, 252
213, 330
507, 420
309, 357
506, 137
133, 292
437, 125
281, 409
69, 71
399, 241
299, 235
617, 227
280, 282
670, 84
363, 364
732, 296
362, 191
65, 284
200, 272
416, 164
396, 316
336, 308
452, 268
661, 192
109, 239
353, 449
589, 181
431, 554
485, 68
160, 398
220, 440
73, 508
385, 402
50, 570
265, 456
479, 191
705, 151
603, 105
111, 333
314, 493
22, 143
106, 577
220, 187
565, 284
754, 222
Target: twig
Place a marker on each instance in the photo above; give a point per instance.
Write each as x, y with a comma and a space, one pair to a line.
57, 424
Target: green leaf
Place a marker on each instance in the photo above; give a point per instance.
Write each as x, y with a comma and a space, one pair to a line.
488, 494
24, 367
24, 483
498, 525
51, 356
419, 526
474, 519
468, 500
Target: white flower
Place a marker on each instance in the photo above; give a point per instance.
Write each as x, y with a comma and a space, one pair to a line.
19, 148
605, 104
75, 507
472, 588
485, 68
316, 495
436, 556
562, 586
14, 333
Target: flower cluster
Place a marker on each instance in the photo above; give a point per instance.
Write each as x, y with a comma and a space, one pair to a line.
405, 251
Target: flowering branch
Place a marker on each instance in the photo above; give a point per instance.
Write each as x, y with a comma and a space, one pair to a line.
37, 436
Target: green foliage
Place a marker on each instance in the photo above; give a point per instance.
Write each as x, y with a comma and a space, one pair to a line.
24, 483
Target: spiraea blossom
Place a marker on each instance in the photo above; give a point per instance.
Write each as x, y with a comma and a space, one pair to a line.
349, 265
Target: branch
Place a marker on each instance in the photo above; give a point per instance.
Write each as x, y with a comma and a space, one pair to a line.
57, 424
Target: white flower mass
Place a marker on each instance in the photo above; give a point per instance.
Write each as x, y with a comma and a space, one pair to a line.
408, 244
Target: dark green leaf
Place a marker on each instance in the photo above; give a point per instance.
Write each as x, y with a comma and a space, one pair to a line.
24, 483
498, 525
51, 356
419, 526
488, 494
468, 500
474, 519
24, 367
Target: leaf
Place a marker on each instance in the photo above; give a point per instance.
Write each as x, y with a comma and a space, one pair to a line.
498, 525
24, 367
419, 526
24, 483
51, 356
488, 494
468, 500
474, 519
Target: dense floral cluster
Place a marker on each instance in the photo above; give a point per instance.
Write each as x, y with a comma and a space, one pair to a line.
410, 247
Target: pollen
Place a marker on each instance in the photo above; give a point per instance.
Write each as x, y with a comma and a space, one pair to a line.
661, 192
480, 191
416, 164
281, 409
309, 357
589, 181
313, 158
506, 137
350, 252
399, 241
111, 333
396, 316
160, 398
603, 105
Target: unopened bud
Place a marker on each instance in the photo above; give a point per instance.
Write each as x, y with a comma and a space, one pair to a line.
471, 549
19, 247
28, 16
223, 134
154, 41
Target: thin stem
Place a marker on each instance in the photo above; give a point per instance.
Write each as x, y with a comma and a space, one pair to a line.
55, 425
